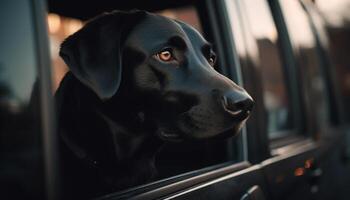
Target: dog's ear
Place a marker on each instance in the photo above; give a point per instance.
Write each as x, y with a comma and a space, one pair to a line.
93, 53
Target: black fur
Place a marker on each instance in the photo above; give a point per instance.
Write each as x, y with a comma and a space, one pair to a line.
119, 102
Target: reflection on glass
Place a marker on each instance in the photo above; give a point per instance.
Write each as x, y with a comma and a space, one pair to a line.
21, 164
275, 93
337, 17
307, 56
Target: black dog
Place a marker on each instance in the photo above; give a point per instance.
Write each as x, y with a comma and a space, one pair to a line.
137, 79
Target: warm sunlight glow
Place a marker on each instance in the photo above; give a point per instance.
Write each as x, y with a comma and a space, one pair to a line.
299, 28
265, 27
336, 11
60, 27
54, 22
72, 26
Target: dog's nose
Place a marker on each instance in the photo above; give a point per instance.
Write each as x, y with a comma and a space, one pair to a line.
238, 102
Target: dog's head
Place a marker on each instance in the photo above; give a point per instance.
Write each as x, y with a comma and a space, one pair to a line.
164, 67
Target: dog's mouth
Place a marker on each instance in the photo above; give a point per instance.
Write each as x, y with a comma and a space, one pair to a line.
201, 124
237, 115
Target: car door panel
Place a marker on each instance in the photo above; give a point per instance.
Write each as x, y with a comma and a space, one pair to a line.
288, 174
232, 186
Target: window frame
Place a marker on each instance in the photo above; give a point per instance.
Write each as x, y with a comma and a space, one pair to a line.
220, 25
291, 74
177, 183
333, 103
48, 120
260, 146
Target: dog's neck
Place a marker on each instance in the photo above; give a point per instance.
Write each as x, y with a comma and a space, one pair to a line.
135, 154
129, 146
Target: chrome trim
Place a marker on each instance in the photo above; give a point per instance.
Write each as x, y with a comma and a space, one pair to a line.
48, 120
229, 8
239, 173
166, 189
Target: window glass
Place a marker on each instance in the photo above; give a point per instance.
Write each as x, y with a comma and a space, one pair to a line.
276, 97
21, 171
337, 24
307, 55
173, 158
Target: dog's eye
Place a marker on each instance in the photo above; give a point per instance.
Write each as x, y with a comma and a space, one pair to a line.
165, 55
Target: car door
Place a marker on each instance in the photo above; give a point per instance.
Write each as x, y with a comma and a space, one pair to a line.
288, 145
303, 141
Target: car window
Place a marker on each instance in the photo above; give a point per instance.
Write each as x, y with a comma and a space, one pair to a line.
21, 159
337, 28
174, 158
276, 96
307, 55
